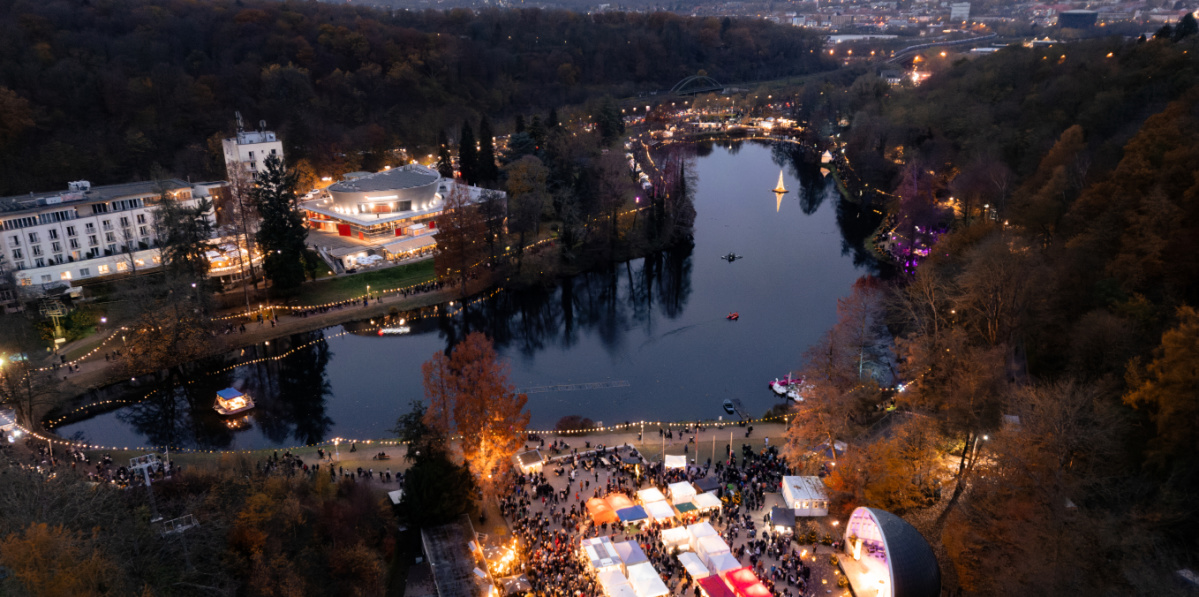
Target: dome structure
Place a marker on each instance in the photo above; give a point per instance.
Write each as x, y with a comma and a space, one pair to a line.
887, 557
411, 188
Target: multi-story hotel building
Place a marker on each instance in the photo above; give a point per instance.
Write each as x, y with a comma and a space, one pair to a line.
51, 239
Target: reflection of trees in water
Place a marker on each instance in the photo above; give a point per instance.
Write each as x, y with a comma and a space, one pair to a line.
289, 396
857, 223
607, 303
804, 166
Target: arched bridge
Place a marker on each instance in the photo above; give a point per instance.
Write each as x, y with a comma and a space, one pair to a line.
696, 84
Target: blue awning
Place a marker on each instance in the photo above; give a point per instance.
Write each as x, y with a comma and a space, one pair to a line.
228, 393
632, 514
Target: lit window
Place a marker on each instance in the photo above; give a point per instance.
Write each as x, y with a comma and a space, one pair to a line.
139, 262
103, 269
122, 266
65, 275
26, 282
157, 260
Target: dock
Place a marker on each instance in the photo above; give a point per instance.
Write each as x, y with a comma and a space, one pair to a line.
740, 409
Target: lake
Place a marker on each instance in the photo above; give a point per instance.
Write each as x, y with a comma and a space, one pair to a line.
645, 340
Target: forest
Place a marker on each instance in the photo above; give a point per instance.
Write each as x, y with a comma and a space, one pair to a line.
109, 90
1042, 207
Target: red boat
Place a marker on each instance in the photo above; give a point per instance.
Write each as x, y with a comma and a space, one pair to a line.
732, 316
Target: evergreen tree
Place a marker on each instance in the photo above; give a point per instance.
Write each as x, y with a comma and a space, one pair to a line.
183, 234
467, 154
488, 172
520, 124
1186, 27
445, 164
610, 121
537, 132
552, 121
281, 233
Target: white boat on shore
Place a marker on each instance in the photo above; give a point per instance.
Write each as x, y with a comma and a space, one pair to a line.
787, 387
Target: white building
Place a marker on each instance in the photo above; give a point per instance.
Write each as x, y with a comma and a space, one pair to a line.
249, 149
959, 12
806, 495
51, 239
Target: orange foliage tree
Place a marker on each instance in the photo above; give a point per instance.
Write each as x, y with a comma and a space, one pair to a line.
469, 394
56, 561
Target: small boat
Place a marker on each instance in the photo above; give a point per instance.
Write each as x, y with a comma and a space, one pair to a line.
788, 387
231, 401
731, 257
728, 407
780, 188
733, 316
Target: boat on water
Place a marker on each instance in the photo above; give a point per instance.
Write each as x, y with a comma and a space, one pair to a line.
231, 401
733, 316
731, 257
788, 387
728, 406
780, 188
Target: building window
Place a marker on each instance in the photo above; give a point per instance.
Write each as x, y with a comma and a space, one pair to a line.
17, 254
91, 241
45, 278
124, 222
56, 247
110, 237
90, 227
37, 250
65, 275
122, 266
144, 231
33, 237
141, 218
112, 249
84, 272
74, 242
157, 260
107, 224
70, 231
103, 269
139, 262
14, 240
53, 233
26, 282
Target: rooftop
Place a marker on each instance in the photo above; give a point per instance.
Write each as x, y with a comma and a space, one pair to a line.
406, 177
16, 203
248, 137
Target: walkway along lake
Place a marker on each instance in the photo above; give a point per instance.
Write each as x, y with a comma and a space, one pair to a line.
645, 340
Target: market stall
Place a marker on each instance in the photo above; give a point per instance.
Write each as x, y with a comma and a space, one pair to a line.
630, 553
693, 565
698, 531
601, 512
706, 484
646, 581
676, 538
614, 584
618, 502
723, 562
659, 511
601, 555
676, 461
782, 519
714, 586
706, 502
634, 515
650, 494
681, 493
708, 547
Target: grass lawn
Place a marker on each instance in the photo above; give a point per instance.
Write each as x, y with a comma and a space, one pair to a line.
332, 290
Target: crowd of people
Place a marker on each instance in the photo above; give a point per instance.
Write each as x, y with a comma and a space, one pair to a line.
547, 513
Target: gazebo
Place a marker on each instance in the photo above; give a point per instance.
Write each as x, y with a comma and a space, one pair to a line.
886, 556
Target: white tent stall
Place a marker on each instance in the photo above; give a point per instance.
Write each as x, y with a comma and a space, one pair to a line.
694, 566
676, 461
706, 501
675, 537
650, 494
722, 562
698, 531
659, 511
615, 584
708, 547
681, 493
601, 555
646, 582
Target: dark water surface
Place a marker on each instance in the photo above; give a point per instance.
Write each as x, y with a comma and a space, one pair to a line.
653, 329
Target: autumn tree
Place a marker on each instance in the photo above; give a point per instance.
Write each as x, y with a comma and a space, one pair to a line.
469, 395
1165, 390
461, 237
49, 560
899, 472
281, 232
528, 199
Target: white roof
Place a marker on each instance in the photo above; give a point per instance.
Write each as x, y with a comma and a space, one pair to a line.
711, 545
707, 500
646, 582
805, 488
659, 510
410, 243
674, 537
722, 562
610, 579
676, 461
651, 494
695, 567
700, 530
681, 492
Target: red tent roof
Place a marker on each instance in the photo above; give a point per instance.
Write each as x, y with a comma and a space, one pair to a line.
741, 578
714, 586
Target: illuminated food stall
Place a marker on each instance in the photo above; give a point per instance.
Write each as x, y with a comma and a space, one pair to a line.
681, 493
601, 512
693, 565
651, 494
675, 538
601, 555
646, 581
714, 586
